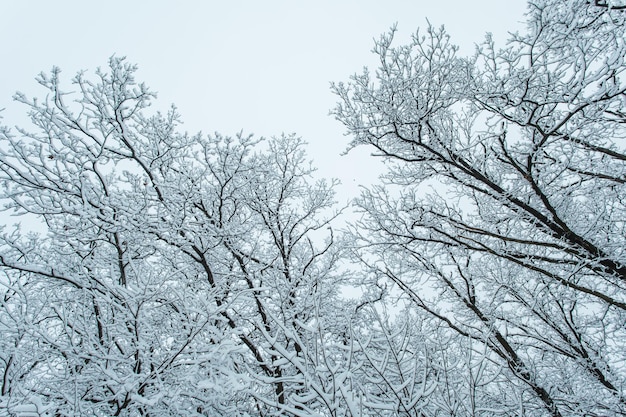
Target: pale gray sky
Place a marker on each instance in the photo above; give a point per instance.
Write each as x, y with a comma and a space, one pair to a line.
263, 67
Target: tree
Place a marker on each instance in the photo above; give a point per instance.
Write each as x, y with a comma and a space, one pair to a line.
502, 213
173, 274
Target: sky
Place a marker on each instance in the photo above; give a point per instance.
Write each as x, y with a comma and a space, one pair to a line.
261, 67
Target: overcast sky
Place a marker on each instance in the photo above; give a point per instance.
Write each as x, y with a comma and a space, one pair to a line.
263, 67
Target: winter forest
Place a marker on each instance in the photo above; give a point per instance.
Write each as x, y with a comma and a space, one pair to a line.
175, 274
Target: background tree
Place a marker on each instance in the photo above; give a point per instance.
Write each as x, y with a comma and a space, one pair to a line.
502, 214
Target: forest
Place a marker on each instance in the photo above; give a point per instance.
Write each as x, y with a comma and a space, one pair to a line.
175, 274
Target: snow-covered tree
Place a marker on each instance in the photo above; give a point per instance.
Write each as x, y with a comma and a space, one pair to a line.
171, 274
502, 214
190, 275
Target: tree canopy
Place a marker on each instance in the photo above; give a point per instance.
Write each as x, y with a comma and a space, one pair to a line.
203, 275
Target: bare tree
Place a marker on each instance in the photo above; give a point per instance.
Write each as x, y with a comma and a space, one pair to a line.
173, 274
502, 214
